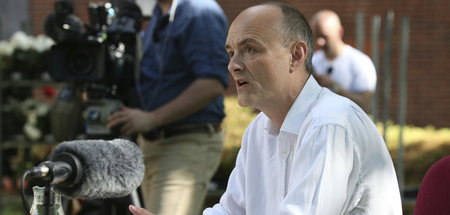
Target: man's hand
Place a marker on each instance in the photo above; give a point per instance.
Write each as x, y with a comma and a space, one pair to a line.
138, 211
132, 120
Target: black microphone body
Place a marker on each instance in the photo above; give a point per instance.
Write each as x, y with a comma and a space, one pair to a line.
64, 170
93, 169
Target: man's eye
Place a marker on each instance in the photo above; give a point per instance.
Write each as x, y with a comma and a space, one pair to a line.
249, 50
230, 54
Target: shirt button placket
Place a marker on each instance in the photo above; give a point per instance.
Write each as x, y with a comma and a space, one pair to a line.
284, 152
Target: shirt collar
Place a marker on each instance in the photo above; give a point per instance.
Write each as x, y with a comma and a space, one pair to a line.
299, 110
158, 8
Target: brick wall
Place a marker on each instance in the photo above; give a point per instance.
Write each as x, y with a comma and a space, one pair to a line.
428, 101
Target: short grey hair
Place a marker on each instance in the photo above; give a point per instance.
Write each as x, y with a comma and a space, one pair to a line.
295, 27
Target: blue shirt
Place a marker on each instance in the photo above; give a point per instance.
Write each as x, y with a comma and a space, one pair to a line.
176, 54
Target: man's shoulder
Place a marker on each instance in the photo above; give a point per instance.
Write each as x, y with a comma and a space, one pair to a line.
331, 108
200, 7
356, 54
318, 62
206, 13
318, 55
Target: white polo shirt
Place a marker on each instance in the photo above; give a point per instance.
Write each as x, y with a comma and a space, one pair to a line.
352, 70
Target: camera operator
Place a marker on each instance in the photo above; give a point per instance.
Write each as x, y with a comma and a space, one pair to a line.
178, 105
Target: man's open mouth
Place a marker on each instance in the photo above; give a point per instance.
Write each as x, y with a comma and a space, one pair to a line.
240, 83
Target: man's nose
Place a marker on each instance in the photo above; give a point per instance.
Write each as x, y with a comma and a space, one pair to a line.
321, 41
235, 64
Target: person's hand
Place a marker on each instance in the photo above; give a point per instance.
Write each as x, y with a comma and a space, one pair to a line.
132, 121
139, 211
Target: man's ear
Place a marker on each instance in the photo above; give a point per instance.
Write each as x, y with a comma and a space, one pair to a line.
341, 32
298, 51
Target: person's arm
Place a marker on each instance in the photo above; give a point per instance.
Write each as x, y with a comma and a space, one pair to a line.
195, 97
200, 93
362, 98
325, 173
233, 201
207, 59
364, 83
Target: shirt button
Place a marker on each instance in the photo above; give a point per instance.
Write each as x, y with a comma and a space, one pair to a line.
284, 155
282, 193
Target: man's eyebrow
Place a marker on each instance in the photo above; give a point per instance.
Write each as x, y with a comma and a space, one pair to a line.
244, 41
247, 40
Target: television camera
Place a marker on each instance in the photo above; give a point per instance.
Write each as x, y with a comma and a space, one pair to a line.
97, 63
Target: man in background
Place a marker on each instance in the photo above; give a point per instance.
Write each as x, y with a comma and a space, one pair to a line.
338, 66
178, 105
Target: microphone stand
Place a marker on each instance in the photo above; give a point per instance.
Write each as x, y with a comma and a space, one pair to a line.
49, 201
43, 204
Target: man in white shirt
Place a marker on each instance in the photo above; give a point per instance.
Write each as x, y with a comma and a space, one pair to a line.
309, 151
338, 66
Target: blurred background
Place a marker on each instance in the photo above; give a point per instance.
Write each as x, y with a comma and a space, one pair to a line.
408, 41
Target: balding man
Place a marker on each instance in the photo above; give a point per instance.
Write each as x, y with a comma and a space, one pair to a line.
309, 151
338, 66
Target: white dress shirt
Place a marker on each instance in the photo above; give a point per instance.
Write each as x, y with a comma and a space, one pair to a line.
327, 158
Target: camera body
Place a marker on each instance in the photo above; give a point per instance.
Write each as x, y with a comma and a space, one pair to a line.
98, 59
79, 62
101, 52
97, 113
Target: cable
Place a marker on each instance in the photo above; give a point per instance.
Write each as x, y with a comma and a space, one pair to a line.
173, 9
22, 192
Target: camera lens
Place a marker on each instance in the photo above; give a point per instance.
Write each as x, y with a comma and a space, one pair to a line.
80, 61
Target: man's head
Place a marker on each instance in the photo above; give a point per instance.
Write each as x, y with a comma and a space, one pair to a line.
270, 48
294, 27
327, 30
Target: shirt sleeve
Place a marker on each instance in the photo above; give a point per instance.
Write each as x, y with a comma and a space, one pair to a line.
232, 201
365, 74
324, 171
203, 45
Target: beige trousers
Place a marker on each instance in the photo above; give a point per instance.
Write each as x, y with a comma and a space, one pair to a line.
178, 171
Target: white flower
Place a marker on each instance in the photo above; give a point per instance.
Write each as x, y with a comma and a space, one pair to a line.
6, 49
42, 109
20, 40
32, 132
42, 43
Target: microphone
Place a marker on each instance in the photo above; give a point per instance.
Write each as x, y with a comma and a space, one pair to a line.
329, 70
93, 169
